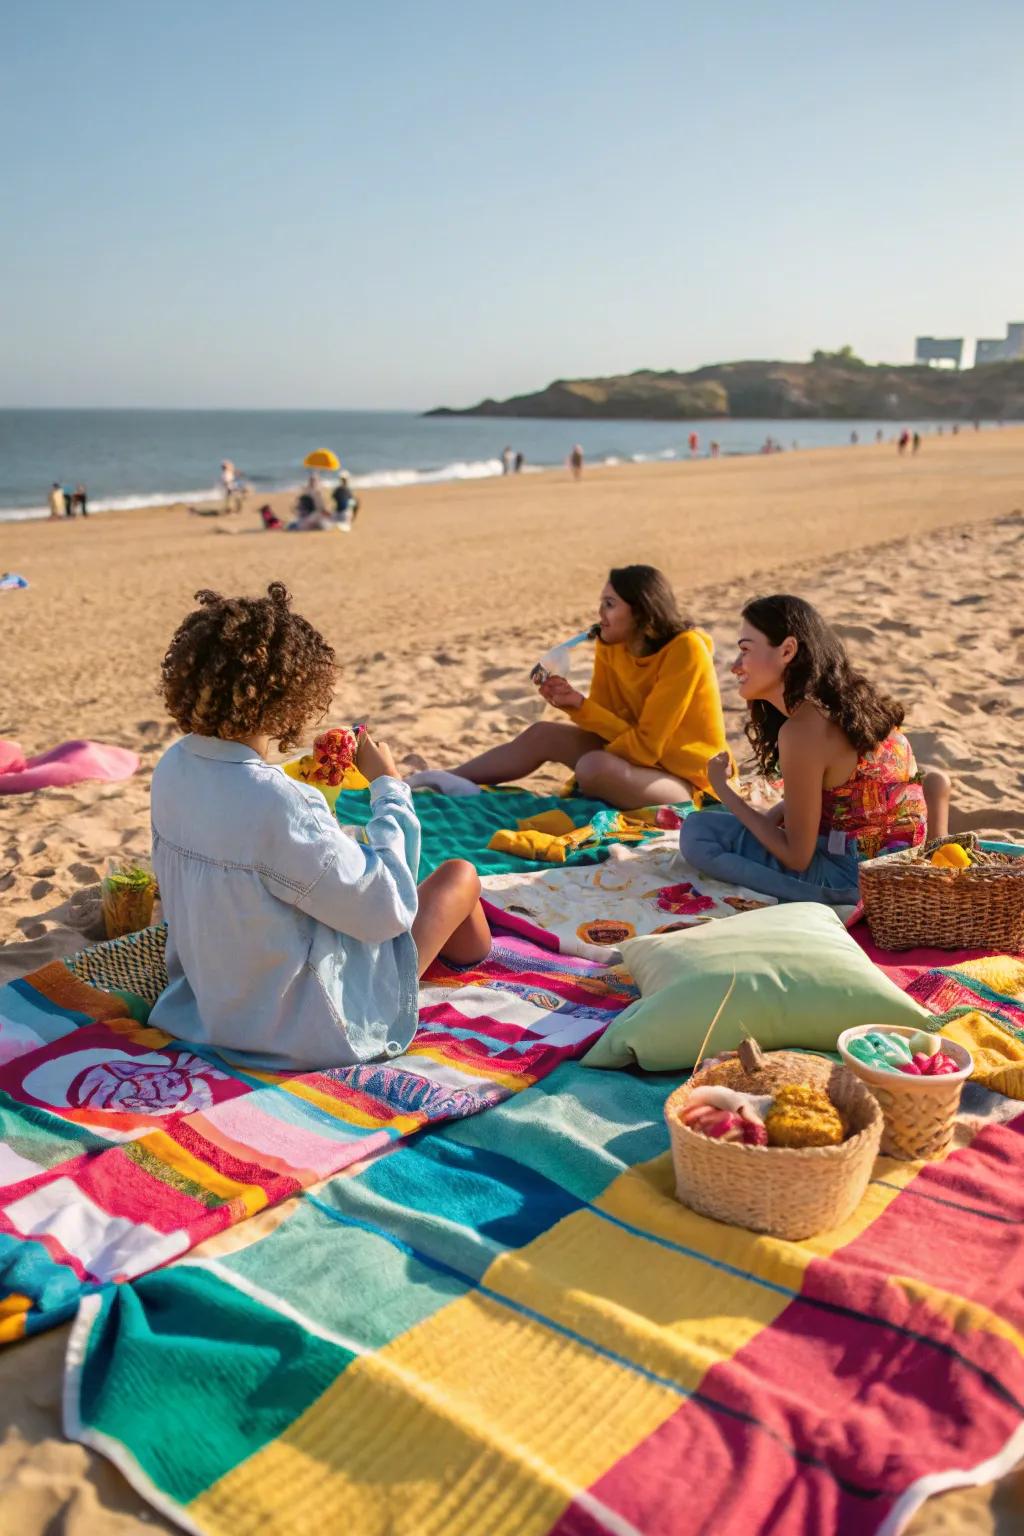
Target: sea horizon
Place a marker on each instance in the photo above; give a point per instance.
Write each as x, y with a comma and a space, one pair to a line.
134, 457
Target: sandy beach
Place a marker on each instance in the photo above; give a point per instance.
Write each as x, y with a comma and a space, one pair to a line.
444, 596
438, 605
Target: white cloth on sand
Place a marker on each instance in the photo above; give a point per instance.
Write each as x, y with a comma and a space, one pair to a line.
439, 779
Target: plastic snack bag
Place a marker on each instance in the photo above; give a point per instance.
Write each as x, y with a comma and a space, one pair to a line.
556, 662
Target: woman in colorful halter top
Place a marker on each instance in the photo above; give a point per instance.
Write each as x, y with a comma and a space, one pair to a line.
852, 787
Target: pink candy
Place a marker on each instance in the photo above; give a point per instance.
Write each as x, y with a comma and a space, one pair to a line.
939, 1065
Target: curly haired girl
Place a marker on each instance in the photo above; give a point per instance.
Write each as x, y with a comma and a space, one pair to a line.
852, 787
289, 944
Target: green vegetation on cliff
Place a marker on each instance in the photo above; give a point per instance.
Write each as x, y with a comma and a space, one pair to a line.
833, 385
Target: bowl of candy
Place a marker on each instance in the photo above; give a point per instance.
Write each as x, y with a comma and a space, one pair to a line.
917, 1078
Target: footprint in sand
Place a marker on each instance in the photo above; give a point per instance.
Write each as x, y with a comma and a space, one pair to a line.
84, 874
969, 600
40, 889
900, 626
858, 632
989, 819
961, 703
977, 783
935, 750
491, 674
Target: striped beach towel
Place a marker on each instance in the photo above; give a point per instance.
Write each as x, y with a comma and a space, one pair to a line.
121, 1149
510, 1326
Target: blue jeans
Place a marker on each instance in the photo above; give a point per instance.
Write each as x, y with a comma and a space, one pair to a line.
717, 844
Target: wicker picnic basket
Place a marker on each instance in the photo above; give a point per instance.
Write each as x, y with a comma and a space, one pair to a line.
791, 1192
919, 1113
908, 901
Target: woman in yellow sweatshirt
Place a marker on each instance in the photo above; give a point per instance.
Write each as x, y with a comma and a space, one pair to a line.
653, 717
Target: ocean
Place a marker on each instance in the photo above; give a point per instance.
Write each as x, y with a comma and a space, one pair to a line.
145, 458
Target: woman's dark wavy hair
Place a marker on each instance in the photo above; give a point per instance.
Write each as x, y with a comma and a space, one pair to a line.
821, 671
248, 666
655, 610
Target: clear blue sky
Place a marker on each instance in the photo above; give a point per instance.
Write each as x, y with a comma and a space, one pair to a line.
318, 203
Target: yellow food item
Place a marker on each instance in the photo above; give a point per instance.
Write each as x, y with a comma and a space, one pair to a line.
950, 856
802, 1116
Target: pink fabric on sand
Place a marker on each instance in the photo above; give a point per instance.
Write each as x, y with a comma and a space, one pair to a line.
904, 965
69, 763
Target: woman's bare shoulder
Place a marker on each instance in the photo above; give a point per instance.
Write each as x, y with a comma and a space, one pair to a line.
806, 724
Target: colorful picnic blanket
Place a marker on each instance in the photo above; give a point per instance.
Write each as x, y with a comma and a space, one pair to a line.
510, 1325
641, 888
981, 1005
121, 1148
461, 827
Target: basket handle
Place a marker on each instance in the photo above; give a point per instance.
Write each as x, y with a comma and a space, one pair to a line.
751, 1056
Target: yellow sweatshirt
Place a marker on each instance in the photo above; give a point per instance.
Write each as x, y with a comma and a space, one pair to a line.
660, 711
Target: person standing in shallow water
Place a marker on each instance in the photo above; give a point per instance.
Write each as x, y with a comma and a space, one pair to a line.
576, 461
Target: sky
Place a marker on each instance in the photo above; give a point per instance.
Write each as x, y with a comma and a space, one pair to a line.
324, 204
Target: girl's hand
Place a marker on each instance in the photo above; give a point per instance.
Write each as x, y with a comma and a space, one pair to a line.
557, 691
719, 771
374, 760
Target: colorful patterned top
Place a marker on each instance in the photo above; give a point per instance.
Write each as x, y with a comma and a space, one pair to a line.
881, 806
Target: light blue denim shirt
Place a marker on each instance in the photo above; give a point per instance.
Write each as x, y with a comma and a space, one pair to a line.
288, 943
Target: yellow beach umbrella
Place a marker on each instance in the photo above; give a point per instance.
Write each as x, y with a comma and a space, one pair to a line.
322, 458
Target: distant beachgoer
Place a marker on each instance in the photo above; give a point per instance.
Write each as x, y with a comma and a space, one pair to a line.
694, 442
576, 461
714, 450
977, 426
290, 944
916, 442
940, 430
233, 487
271, 521
879, 435
956, 429
854, 438
903, 441
56, 500
311, 514
69, 502
519, 462
80, 500
506, 460
315, 491
346, 504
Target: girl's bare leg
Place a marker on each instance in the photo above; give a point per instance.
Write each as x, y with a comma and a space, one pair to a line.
547, 741
603, 776
937, 787
450, 921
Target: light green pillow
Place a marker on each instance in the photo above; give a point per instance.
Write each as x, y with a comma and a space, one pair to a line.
800, 981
